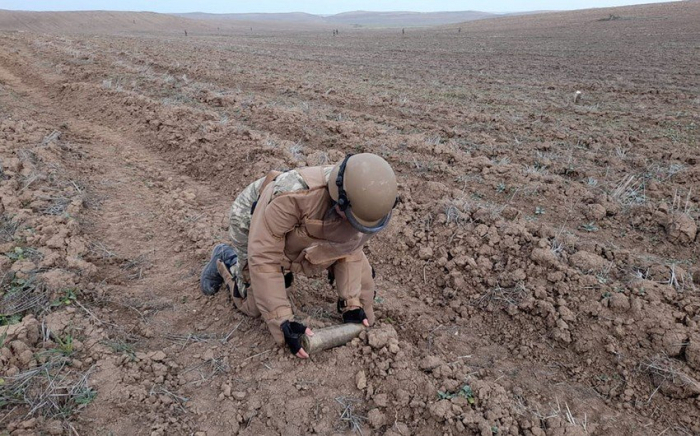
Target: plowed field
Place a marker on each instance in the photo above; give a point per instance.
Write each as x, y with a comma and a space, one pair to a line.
540, 275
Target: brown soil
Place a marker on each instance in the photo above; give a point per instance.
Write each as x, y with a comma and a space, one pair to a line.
540, 275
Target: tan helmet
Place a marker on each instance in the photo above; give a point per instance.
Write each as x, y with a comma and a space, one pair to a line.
364, 186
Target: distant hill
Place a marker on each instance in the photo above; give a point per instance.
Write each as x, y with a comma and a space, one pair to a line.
406, 19
98, 22
627, 14
356, 18
113, 22
291, 17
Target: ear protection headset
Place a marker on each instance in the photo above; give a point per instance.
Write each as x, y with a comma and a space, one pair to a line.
343, 201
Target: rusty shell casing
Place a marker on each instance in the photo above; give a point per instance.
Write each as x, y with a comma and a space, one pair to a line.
329, 337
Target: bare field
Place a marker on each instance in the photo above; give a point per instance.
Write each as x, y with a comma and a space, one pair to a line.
541, 274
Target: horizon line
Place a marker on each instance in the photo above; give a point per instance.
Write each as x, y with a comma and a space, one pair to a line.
310, 13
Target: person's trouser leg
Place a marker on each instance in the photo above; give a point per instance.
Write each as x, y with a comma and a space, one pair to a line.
244, 301
367, 290
247, 305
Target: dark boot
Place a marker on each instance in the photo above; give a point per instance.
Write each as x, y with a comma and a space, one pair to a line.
210, 281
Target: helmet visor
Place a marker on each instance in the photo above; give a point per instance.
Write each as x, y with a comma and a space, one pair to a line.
368, 230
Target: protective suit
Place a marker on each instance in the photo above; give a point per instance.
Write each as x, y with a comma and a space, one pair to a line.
294, 228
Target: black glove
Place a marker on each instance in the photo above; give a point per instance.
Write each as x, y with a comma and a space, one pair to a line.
293, 331
354, 316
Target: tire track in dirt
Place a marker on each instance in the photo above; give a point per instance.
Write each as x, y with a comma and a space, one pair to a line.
149, 276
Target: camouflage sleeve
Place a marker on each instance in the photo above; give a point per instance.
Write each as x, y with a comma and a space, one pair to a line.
240, 216
291, 181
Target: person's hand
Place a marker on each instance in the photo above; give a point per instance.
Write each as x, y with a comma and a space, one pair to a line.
293, 331
355, 316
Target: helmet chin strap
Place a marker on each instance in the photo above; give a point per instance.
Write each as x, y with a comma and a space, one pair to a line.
343, 201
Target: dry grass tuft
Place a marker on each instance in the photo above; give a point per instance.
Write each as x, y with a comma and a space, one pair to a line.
30, 160
629, 191
348, 416
134, 268
667, 377
57, 206
556, 411
100, 250
51, 137
161, 390
52, 390
208, 369
503, 296
681, 282
20, 296
8, 227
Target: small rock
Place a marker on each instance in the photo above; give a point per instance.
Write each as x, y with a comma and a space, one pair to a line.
403, 397
379, 337
25, 331
25, 266
59, 279
595, 212
208, 355
430, 363
544, 256
566, 314
30, 423
441, 410
696, 275
381, 400
53, 427
619, 302
376, 418
681, 228
680, 386
394, 347
25, 357
5, 262
238, 395
588, 262
361, 380
673, 342
425, 253
158, 356
18, 347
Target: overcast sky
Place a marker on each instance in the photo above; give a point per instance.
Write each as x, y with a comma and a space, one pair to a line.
310, 6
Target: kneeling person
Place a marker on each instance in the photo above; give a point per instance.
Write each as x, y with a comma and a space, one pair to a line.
304, 221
